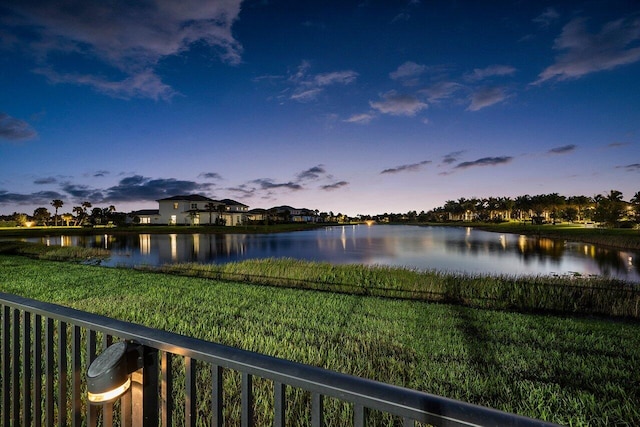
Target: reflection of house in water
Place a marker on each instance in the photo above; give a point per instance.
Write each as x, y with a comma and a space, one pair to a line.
193, 210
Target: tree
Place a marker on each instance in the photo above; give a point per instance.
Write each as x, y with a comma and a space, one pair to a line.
56, 203
635, 207
210, 207
41, 216
609, 208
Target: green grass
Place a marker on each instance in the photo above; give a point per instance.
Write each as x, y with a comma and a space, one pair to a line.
570, 370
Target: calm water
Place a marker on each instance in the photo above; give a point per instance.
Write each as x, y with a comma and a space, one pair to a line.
442, 248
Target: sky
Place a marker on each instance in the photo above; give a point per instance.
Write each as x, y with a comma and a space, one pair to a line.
355, 107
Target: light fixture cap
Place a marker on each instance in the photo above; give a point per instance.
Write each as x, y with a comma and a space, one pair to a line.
108, 375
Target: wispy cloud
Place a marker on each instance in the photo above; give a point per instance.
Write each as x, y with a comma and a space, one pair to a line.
441, 90
633, 167
546, 18
335, 185
113, 34
45, 181
413, 167
37, 198
485, 161
407, 71
487, 96
397, 104
13, 129
563, 150
307, 86
490, 71
312, 173
210, 175
452, 157
363, 118
617, 144
268, 184
584, 53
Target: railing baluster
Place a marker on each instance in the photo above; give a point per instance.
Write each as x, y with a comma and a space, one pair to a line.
37, 371
247, 400
62, 374
216, 396
316, 409
15, 385
26, 368
76, 354
92, 410
190, 392
279, 406
107, 408
6, 363
166, 389
359, 413
49, 373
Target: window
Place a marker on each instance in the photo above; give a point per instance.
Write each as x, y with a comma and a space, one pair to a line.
194, 206
175, 205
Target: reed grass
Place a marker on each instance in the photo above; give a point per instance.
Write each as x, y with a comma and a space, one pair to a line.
579, 371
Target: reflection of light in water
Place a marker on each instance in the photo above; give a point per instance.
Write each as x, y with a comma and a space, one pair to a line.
343, 239
174, 246
468, 231
522, 243
503, 241
65, 241
145, 243
47, 242
196, 244
630, 261
106, 241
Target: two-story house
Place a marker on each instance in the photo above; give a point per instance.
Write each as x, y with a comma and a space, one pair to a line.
194, 209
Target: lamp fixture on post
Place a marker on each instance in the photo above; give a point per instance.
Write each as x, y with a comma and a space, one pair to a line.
109, 375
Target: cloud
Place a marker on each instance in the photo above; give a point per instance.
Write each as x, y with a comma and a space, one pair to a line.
15, 129
441, 90
617, 144
414, 167
546, 18
633, 167
486, 96
307, 86
584, 53
144, 84
485, 161
397, 104
335, 185
44, 181
38, 198
312, 173
408, 70
363, 118
563, 150
130, 38
210, 175
491, 71
268, 184
101, 173
452, 157
140, 188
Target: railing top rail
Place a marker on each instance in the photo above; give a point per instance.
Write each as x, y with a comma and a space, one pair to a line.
405, 402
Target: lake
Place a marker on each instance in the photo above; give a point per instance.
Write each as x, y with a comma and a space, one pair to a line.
455, 249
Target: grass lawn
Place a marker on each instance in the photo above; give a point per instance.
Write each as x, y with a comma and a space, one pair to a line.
569, 370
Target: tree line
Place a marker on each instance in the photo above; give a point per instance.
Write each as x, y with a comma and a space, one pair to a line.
81, 215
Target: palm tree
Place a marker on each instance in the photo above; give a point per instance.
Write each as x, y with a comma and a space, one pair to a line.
57, 203
210, 207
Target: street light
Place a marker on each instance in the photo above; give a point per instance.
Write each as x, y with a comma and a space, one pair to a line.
109, 375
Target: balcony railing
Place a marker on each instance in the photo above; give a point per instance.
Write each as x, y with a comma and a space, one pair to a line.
47, 349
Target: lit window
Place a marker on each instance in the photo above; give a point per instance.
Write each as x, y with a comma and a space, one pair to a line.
175, 205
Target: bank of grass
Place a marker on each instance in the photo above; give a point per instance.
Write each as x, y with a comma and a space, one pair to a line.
623, 238
53, 253
570, 370
563, 294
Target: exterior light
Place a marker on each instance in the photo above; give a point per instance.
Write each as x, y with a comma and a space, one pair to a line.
109, 375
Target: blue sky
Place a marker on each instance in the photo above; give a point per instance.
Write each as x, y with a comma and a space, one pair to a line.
358, 107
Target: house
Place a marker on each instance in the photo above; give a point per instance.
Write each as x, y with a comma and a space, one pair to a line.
144, 216
194, 209
290, 214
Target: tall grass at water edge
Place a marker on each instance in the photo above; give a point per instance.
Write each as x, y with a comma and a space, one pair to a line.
564, 294
571, 370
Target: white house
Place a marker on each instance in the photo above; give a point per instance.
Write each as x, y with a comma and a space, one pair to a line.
194, 209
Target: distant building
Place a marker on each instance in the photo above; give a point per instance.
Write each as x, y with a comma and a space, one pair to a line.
193, 209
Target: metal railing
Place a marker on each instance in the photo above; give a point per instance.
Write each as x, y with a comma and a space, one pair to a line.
46, 350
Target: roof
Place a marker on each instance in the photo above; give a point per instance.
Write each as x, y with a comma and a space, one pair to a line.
146, 212
230, 202
189, 198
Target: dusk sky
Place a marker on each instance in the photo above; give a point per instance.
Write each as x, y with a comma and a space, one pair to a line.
357, 107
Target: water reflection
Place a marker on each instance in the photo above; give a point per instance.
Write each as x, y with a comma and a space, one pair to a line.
441, 248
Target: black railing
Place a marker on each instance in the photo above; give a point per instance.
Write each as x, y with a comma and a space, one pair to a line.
46, 350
